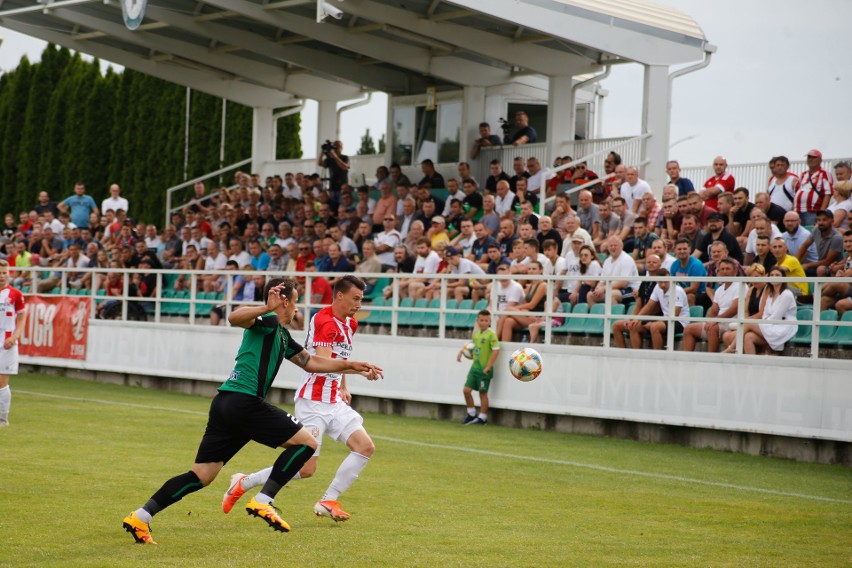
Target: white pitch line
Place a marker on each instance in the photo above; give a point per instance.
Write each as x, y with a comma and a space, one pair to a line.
496, 454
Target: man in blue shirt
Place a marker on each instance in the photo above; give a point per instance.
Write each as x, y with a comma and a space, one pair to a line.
688, 265
684, 185
796, 236
80, 205
259, 259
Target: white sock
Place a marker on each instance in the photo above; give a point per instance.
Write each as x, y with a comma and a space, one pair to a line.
346, 475
263, 498
483, 415
144, 516
5, 403
256, 479
471, 411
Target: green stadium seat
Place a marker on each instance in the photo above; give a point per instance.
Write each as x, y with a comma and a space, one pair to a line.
826, 332
167, 307
804, 331
417, 316
378, 289
25, 289
696, 312
374, 316
460, 321
595, 326
182, 309
432, 319
448, 317
566, 309
575, 324
56, 290
203, 309
843, 335
405, 315
470, 319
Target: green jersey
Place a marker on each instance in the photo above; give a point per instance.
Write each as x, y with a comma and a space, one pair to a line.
484, 342
265, 346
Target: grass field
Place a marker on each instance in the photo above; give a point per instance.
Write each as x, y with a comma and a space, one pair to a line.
79, 456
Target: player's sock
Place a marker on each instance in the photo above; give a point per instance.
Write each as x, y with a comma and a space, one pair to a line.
346, 475
143, 515
255, 479
483, 415
471, 411
5, 403
285, 467
172, 491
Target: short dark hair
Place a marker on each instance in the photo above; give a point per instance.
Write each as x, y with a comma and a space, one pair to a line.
495, 161
484, 125
729, 260
289, 286
343, 285
484, 313
779, 159
616, 158
640, 220
742, 190
427, 162
682, 241
661, 272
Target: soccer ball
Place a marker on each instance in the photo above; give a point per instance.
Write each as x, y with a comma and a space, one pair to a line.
467, 352
525, 364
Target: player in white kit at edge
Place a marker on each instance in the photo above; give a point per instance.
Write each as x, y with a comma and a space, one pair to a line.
322, 403
12, 311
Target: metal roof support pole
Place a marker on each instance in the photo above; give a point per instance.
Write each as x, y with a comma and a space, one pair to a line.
576, 88
327, 124
656, 118
262, 138
473, 112
560, 104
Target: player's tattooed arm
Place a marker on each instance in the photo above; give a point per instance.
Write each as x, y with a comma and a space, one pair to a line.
302, 358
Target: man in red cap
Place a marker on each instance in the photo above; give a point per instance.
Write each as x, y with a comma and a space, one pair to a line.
814, 191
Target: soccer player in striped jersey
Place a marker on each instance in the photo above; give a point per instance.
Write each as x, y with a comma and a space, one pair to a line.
239, 412
12, 310
322, 403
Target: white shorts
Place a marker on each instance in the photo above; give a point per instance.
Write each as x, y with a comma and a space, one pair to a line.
338, 421
9, 361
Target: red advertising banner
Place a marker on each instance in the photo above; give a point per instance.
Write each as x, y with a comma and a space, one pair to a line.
56, 326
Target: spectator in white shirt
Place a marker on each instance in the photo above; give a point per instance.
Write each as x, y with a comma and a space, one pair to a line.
114, 202
633, 189
463, 287
619, 264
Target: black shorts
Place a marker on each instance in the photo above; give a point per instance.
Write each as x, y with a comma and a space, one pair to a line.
235, 419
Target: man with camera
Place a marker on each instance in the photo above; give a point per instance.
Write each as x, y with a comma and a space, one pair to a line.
525, 134
485, 140
333, 158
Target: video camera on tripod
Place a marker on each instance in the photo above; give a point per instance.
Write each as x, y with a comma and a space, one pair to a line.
506, 127
327, 147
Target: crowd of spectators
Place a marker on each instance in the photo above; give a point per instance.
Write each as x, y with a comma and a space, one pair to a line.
796, 226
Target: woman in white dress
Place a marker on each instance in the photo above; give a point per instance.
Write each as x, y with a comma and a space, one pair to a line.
778, 304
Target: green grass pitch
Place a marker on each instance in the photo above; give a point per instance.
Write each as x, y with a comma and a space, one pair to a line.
80, 455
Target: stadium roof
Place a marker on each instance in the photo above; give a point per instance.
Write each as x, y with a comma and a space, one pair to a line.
266, 53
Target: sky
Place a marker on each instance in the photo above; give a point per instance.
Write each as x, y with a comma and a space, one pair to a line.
780, 83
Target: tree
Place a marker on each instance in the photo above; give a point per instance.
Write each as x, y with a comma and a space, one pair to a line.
368, 147
382, 144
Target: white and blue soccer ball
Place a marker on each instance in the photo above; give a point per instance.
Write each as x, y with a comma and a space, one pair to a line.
467, 352
525, 364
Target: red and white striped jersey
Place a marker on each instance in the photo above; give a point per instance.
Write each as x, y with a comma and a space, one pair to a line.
327, 330
725, 181
813, 188
783, 194
11, 304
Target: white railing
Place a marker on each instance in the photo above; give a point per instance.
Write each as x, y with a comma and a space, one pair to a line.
629, 147
753, 176
441, 318
187, 184
362, 169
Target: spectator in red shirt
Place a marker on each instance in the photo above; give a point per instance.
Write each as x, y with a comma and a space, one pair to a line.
814, 191
717, 184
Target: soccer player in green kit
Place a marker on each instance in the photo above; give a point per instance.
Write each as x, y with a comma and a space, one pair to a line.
486, 347
239, 413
